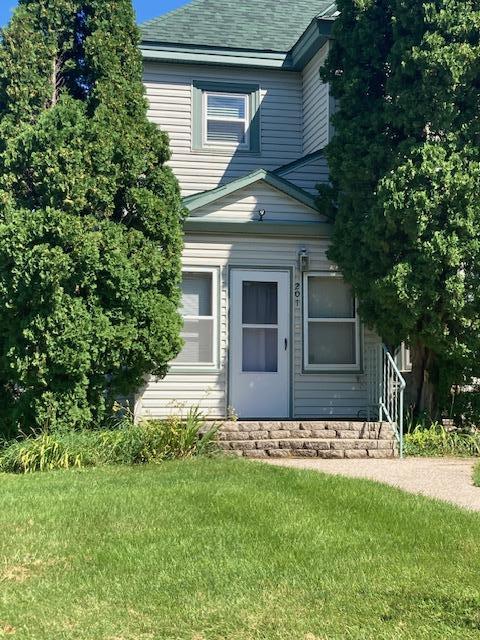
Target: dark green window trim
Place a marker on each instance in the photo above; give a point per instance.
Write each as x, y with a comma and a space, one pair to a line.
253, 91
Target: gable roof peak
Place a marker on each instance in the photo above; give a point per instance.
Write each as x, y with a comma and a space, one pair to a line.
198, 200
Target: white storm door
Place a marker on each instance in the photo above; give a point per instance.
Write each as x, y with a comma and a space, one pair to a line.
260, 343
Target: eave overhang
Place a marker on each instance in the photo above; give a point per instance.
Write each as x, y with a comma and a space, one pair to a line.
313, 39
255, 227
159, 52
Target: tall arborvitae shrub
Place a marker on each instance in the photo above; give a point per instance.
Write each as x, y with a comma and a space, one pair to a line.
90, 217
405, 167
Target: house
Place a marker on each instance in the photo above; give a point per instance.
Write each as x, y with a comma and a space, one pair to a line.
271, 329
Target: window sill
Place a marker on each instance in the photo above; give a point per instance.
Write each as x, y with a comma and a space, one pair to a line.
188, 370
329, 371
228, 153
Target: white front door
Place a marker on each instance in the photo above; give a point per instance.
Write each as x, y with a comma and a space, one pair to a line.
260, 343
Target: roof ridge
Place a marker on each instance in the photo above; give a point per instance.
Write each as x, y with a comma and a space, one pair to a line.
188, 4
299, 162
333, 5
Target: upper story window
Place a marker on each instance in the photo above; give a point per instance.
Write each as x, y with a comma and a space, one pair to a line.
226, 117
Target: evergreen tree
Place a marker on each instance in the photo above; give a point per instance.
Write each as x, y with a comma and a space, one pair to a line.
405, 167
90, 217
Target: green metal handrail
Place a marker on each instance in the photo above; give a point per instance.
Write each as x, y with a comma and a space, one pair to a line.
386, 389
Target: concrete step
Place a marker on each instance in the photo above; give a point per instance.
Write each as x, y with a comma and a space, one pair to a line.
311, 448
315, 434
308, 439
305, 429
279, 425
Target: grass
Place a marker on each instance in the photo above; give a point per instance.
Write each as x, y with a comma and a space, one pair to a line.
476, 475
214, 549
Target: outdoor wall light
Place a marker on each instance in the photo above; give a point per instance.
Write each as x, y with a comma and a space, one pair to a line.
303, 260
261, 214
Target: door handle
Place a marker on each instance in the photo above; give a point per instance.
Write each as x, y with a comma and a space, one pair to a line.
286, 344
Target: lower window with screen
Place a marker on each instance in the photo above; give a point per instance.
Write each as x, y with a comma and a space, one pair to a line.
331, 324
199, 319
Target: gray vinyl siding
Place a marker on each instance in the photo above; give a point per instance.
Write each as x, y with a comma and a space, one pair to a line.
316, 105
169, 92
308, 176
326, 395
294, 123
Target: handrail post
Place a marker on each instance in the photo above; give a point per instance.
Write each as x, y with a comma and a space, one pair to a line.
400, 426
391, 401
380, 382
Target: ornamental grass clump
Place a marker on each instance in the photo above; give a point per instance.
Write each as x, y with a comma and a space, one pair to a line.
436, 440
149, 442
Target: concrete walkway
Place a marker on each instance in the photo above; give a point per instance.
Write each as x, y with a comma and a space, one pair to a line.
447, 479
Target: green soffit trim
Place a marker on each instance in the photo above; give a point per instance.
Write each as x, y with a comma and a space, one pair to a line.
265, 25
213, 56
198, 200
257, 228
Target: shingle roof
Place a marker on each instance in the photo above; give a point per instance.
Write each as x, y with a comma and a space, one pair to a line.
262, 25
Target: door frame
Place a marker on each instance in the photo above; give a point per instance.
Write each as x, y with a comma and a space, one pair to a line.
228, 369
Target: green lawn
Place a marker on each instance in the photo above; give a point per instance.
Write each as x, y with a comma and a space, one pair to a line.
476, 474
231, 550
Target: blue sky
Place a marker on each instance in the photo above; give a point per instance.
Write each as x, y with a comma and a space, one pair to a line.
145, 9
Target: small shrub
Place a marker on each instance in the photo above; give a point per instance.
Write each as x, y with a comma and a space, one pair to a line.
435, 440
151, 441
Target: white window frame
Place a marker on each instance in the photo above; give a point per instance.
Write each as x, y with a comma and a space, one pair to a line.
225, 145
354, 367
204, 366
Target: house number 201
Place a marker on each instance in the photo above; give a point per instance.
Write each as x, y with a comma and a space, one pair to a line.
298, 294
